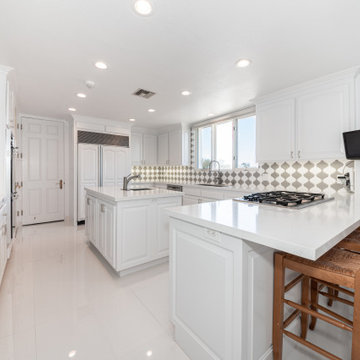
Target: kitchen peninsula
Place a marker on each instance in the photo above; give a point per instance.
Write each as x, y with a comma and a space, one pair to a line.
221, 264
129, 228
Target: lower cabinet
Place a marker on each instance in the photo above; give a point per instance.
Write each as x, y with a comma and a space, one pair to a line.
229, 313
129, 233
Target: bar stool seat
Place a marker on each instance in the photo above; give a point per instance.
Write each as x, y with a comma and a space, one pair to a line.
337, 268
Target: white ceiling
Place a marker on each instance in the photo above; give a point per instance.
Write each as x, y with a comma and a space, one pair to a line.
184, 44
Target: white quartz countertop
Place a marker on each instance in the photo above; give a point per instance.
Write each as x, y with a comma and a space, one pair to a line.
307, 232
116, 193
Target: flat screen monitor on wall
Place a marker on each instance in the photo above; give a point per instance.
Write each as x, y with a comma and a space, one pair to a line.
352, 144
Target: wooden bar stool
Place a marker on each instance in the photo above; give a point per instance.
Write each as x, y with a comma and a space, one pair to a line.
337, 268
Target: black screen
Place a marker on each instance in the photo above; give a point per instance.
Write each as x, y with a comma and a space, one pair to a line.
352, 144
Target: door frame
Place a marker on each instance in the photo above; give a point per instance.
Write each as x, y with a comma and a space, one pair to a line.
65, 147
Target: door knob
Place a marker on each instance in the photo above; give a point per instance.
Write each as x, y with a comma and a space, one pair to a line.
60, 183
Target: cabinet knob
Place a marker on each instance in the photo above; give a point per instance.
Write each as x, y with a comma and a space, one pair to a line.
292, 154
299, 154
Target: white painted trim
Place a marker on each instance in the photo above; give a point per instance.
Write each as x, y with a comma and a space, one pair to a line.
341, 76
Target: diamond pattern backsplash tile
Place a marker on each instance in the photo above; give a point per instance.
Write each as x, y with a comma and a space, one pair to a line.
313, 176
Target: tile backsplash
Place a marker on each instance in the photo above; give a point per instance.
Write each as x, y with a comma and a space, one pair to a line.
314, 176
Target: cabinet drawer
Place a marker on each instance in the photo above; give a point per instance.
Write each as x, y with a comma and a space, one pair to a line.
192, 191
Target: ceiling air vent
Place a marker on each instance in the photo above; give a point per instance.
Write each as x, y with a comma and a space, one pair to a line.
146, 94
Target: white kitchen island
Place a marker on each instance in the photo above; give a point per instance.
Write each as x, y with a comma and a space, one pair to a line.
130, 228
221, 265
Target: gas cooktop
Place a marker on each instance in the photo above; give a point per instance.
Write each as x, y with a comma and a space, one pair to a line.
290, 199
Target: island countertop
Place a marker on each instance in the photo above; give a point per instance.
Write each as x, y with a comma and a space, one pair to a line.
116, 193
307, 232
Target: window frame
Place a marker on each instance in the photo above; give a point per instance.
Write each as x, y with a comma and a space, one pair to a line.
212, 124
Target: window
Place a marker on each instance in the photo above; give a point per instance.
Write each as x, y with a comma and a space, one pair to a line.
246, 141
204, 147
231, 142
224, 144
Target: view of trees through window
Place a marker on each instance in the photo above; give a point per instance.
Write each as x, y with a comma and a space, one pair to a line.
231, 142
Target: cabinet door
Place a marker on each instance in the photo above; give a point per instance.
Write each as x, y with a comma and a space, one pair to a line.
91, 220
88, 173
136, 149
136, 226
175, 147
275, 131
162, 240
107, 231
322, 117
3, 242
163, 149
115, 165
150, 149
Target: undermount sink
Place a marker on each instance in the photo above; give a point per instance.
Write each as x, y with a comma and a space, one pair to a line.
215, 185
139, 189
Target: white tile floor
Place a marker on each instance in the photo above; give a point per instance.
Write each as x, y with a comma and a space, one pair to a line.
58, 296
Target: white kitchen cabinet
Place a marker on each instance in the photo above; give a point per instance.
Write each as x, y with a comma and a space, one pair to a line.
129, 233
190, 200
107, 230
90, 220
306, 122
136, 223
163, 149
162, 230
321, 118
275, 137
173, 147
136, 149
229, 313
143, 149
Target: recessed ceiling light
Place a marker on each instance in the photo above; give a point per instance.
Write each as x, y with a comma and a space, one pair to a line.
151, 110
143, 7
243, 63
101, 65
210, 114
72, 354
132, 120
71, 109
186, 93
81, 95
149, 353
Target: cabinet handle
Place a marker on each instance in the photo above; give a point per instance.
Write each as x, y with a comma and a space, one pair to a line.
88, 201
292, 154
299, 154
102, 208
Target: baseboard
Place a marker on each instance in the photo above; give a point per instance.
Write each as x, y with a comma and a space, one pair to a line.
143, 266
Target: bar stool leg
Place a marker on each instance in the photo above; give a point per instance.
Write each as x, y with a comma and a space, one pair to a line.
355, 353
314, 301
305, 289
278, 307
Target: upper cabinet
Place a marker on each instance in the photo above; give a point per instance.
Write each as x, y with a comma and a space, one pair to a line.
173, 147
275, 124
143, 149
321, 118
306, 122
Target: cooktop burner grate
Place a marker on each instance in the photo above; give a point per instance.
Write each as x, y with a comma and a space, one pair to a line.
284, 198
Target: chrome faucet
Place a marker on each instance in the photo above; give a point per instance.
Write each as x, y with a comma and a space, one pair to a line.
218, 179
127, 179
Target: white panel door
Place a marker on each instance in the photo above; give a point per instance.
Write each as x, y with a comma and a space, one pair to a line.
43, 170
136, 149
115, 165
322, 117
88, 173
163, 149
275, 131
150, 149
